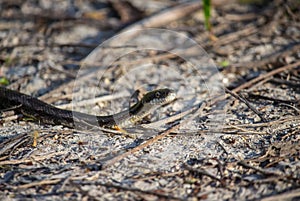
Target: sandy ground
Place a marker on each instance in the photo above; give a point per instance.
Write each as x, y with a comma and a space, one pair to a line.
231, 134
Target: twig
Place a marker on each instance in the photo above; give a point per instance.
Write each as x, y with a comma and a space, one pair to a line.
229, 38
258, 169
247, 131
295, 132
13, 143
242, 99
140, 147
147, 143
166, 16
202, 172
253, 81
271, 58
92, 101
36, 158
123, 188
284, 196
173, 118
264, 76
280, 121
275, 100
39, 183
286, 82
155, 58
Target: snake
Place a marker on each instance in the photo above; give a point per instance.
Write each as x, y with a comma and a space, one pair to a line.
46, 113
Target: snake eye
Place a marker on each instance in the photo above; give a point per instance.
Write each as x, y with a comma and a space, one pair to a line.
157, 94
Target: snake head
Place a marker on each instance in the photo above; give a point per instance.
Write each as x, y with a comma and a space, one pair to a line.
159, 97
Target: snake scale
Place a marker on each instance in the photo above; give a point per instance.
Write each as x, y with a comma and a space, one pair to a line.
45, 113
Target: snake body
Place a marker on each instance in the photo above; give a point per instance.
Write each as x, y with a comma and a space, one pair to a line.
32, 107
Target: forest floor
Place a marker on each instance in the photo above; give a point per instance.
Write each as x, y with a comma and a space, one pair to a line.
233, 132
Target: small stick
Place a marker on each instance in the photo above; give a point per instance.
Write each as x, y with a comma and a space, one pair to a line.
258, 169
271, 57
149, 142
36, 158
242, 99
264, 76
39, 183
202, 172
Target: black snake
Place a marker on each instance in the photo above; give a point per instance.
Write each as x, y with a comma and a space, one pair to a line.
48, 114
